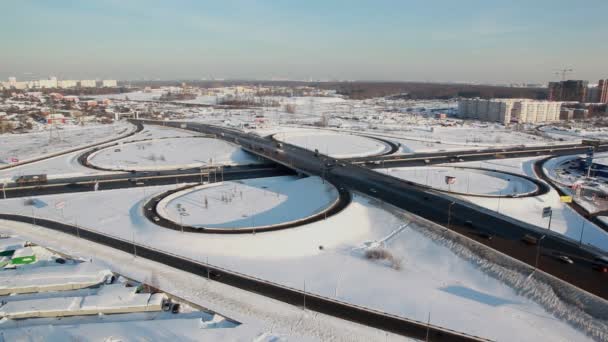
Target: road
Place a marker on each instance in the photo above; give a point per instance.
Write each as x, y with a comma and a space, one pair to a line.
138, 129
464, 218
350, 312
142, 178
423, 159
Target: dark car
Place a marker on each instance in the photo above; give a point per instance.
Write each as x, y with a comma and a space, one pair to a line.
175, 308
485, 235
214, 275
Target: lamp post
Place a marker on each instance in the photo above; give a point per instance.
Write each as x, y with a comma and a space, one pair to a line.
538, 251
450, 213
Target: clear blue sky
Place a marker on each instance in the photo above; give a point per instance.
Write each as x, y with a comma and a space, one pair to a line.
426, 40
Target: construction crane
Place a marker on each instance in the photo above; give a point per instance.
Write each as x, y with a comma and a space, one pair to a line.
563, 73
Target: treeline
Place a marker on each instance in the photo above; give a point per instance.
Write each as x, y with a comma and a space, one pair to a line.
365, 89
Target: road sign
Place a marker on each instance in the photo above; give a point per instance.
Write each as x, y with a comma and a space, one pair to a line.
565, 199
546, 211
60, 205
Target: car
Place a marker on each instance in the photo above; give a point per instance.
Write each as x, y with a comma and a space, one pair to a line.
175, 308
565, 259
529, 239
156, 218
373, 190
468, 223
166, 306
484, 235
214, 275
600, 267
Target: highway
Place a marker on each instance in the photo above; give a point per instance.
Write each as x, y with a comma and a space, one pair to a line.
424, 159
142, 178
507, 234
329, 306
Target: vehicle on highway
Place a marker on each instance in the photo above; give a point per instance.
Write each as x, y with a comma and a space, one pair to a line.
156, 218
529, 239
600, 267
565, 259
175, 308
373, 190
31, 179
484, 235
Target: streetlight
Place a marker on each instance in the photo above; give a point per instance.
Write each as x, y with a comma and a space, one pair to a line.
450, 213
538, 251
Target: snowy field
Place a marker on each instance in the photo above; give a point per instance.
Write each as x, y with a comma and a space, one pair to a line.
30, 145
249, 203
565, 220
469, 181
67, 165
431, 278
165, 154
334, 144
575, 132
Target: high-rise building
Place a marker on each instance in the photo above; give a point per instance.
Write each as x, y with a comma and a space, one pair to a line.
602, 87
571, 90
108, 83
506, 111
88, 84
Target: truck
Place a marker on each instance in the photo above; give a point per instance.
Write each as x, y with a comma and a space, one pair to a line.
31, 179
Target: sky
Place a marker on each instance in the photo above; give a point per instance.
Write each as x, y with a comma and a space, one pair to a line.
481, 41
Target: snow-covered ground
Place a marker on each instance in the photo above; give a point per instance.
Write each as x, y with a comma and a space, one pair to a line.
334, 144
432, 279
249, 203
61, 298
173, 153
565, 220
67, 165
469, 181
30, 145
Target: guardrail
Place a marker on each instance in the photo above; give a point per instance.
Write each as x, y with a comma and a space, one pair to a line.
351, 312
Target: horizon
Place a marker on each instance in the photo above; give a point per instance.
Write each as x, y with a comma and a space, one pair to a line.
388, 41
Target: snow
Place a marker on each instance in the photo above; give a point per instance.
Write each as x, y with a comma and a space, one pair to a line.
469, 181
432, 279
68, 166
10, 244
34, 279
565, 220
30, 145
250, 203
167, 154
334, 144
260, 316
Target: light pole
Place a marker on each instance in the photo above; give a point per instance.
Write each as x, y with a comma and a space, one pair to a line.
450, 213
538, 251
582, 231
